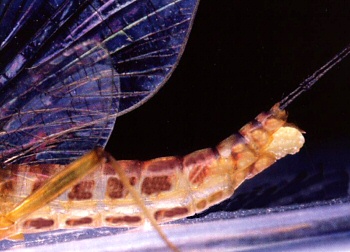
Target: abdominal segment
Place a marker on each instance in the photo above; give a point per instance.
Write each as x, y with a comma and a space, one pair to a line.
171, 187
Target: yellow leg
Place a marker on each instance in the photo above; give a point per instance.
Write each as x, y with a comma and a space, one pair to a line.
140, 203
51, 189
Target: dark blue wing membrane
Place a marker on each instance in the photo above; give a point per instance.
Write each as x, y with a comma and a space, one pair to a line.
69, 68
61, 108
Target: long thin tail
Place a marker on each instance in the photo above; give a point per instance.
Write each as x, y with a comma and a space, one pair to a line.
312, 79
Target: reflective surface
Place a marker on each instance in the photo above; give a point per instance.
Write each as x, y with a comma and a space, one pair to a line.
311, 227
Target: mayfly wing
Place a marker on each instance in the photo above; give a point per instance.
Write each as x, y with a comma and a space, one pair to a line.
143, 40
59, 109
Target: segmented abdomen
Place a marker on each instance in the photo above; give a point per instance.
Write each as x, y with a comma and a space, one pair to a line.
172, 187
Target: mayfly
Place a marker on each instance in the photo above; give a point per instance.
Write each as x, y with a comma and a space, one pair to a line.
83, 189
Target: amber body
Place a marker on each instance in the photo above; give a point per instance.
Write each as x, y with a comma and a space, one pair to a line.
171, 187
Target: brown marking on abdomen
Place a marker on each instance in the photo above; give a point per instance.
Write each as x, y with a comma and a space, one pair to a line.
216, 197
124, 219
197, 163
156, 184
198, 174
38, 223
170, 213
130, 167
201, 204
108, 169
82, 190
163, 164
115, 187
79, 222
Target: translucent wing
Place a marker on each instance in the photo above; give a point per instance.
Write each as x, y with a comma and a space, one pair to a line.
69, 68
57, 110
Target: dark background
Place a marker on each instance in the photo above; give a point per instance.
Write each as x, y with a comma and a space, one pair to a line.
242, 58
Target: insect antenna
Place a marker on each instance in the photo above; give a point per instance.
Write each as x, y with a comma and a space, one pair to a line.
312, 79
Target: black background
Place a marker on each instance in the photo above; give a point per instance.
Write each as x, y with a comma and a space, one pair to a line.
242, 58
